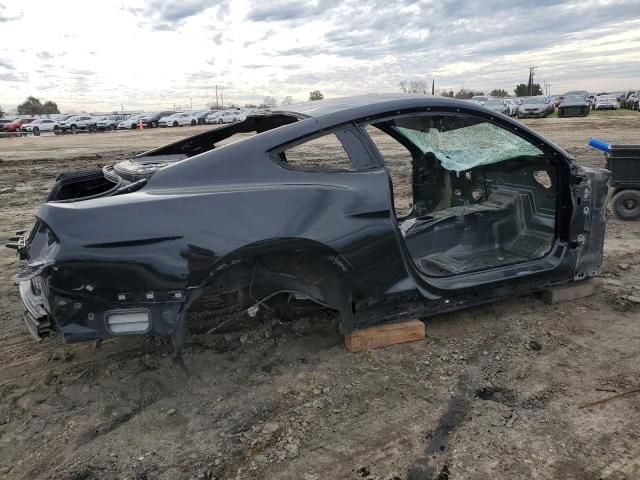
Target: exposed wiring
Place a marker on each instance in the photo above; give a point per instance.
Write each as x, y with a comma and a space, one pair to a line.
261, 302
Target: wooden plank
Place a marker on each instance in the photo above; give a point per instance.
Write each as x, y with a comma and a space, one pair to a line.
572, 291
385, 335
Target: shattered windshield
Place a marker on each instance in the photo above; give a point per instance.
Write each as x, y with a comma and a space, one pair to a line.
462, 142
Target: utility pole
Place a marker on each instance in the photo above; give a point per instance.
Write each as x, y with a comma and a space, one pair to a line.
190, 103
433, 86
217, 104
530, 86
221, 99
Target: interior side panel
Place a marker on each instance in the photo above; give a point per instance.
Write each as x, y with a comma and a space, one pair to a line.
486, 217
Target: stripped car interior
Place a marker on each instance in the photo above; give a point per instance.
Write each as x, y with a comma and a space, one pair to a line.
380, 207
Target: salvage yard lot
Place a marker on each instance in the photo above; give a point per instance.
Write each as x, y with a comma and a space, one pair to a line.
493, 392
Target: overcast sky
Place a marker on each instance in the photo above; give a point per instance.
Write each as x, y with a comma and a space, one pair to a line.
97, 55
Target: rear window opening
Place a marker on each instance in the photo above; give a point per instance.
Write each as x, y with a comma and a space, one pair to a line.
217, 137
468, 195
82, 185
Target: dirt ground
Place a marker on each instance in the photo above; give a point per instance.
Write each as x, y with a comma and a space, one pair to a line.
493, 392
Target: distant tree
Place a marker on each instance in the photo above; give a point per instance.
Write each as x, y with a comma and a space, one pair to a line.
413, 86
50, 107
464, 93
445, 93
522, 90
498, 92
315, 95
1, 112
288, 100
250, 105
418, 86
33, 106
269, 102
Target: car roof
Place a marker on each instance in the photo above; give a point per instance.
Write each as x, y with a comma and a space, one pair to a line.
373, 102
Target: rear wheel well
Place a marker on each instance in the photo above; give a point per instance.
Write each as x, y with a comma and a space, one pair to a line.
317, 275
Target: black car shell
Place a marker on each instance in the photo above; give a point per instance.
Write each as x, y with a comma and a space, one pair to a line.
137, 244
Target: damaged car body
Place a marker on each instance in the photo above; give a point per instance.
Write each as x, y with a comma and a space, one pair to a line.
380, 207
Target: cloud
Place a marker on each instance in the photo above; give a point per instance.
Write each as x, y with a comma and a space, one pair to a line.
10, 77
288, 47
82, 72
5, 64
280, 10
168, 15
45, 55
4, 17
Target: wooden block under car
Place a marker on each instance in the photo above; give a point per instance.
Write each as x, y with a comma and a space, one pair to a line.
385, 335
572, 291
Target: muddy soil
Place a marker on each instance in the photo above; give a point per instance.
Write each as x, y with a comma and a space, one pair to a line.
493, 392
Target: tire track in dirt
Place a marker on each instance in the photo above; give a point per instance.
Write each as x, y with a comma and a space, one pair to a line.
435, 464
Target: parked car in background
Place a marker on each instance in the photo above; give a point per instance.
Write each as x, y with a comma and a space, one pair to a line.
152, 119
550, 104
199, 118
479, 99
4, 121
95, 120
78, 122
110, 122
512, 106
65, 117
632, 100
606, 102
226, 116
558, 100
41, 125
573, 106
584, 93
179, 119
15, 125
625, 97
533, 107
497, 105
130, 123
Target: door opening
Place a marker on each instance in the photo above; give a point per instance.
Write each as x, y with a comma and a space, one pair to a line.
468, 195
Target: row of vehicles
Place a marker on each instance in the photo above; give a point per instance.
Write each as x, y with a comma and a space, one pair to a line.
86, 122
630, 99
597, 101
572, 103
522, 107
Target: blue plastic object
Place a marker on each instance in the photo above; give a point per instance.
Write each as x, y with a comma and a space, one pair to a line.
599, 144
